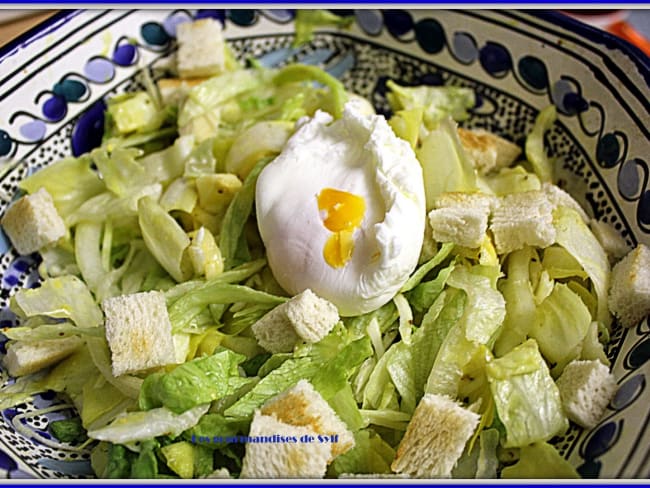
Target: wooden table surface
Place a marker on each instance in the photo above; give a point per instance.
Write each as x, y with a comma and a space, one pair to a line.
15, 22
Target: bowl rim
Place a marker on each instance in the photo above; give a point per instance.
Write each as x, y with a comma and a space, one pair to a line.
598, 36
555, 17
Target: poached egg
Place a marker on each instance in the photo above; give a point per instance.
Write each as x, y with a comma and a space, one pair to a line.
341, 210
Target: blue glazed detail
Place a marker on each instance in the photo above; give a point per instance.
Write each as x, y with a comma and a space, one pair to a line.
574, 103
243, 17
6, 144
398, 22
601, 440
464, 48
99, 70
33, 131
590, 469
608, 151
639, 354
628, 392
55, 108
533, 71
430, 36
370, 21
643, 210
316, 57
87, 132
70, 90
629, 178
281, 16
153, 33
217, 14
495, 59
6, 462
71, 468
125, 55
342, 66
171, 22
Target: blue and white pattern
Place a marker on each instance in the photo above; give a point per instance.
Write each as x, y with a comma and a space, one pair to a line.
55, 82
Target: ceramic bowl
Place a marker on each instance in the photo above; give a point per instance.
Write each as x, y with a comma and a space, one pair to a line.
54, 80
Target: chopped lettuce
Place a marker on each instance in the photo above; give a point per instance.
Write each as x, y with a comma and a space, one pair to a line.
438, 102
535, 150
64, 297
445, 166
560, 327
527, 399
193, 383
576, 237
141, 426
310, 19
165, 238
70, 182
539, 460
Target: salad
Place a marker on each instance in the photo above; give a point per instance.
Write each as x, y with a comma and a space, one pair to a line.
256, 276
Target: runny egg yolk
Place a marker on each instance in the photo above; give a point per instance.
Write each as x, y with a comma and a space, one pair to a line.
342, 213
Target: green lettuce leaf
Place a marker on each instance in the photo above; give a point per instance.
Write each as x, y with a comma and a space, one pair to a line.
526, 397
309, 19
542, 461
64, 297
142, 426
70, 182
560, 327
370, 455
165, 239
193, 383
438, 102
574, 236
534, 147
445, 166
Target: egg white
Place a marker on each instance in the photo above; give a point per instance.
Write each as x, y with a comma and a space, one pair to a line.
360, 154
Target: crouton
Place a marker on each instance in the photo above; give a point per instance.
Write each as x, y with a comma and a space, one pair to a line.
435, 438
305, 317
139, 332
278, 450
629, 293
201, 48
33, 222
521, 219
173, 91
25, 358
586, 388
461, 218
302, 405
614, 245
558, 197
488, 152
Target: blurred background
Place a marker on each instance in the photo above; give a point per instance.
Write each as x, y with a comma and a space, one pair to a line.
630, 24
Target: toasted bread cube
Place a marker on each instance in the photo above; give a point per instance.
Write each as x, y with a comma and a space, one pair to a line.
461, 218
139, 332
558, 197
521, 219
586, 388
173, 91
291, 455
200, 48
435, 438
488, 151
305, 317
629, 293
33, 222
25, 358
302, 405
